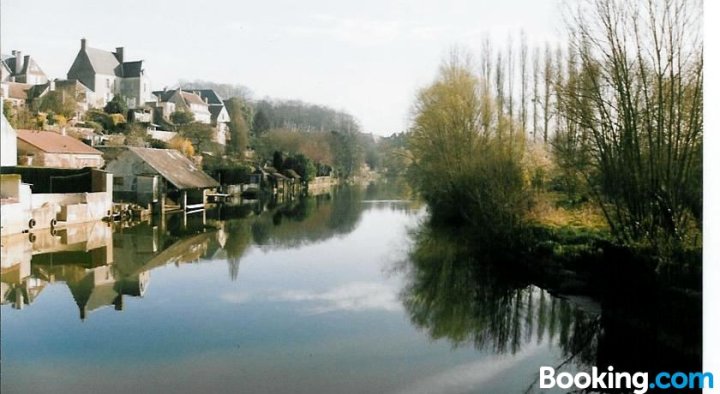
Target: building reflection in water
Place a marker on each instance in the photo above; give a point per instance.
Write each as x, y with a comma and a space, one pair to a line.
100, 264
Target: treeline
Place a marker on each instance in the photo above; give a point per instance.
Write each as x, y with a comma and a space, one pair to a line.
312, 140
614, 116
296, 115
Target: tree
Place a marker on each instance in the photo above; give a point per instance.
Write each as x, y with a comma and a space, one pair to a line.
547, 75
182, 117
523, 81
639, 100
347, 152
239, 130
117, 105
278, 160
261, 123
536, 92
197, 133
57, 102
302, 165
8, 111
466, 172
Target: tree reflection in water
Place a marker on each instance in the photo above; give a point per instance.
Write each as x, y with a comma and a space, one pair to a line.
460, 290
456, 295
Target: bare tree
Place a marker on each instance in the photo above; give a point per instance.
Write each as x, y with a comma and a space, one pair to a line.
536, 91
510, 78
523, 80
500, 85
547, 75
641, 91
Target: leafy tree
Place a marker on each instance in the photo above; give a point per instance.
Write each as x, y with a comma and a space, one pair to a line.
347, 152
57, 102
181, 118
278, 160
117, 105
466, 167
261, 123
302, 165
197, 132
8, 111
109, 122
239, 130
23, 118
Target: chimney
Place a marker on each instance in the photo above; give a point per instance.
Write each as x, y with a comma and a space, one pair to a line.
119, 52
83, 44
18, 62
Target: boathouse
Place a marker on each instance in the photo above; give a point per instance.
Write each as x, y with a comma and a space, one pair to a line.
163, 178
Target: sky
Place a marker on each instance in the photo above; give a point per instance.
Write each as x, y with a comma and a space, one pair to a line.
367, 58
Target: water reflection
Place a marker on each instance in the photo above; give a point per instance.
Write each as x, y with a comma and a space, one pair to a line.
318, 294
458, 291
101, 263
455, 295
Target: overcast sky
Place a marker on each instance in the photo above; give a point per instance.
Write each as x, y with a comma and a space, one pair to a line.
365, 57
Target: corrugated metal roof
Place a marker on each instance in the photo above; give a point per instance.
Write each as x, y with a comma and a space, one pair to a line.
50, 142
176, 168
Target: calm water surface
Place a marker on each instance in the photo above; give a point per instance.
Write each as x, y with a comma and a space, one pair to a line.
341, 292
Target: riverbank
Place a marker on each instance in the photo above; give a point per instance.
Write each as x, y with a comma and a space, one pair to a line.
573, 252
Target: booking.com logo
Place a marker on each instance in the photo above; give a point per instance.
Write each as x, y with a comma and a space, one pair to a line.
639, 381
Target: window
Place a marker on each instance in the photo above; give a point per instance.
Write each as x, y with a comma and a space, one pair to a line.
118, 181
107, 82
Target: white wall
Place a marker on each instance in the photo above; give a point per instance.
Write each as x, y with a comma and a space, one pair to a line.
8, 142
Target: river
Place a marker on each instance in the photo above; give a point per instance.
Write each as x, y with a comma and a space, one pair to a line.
340, 292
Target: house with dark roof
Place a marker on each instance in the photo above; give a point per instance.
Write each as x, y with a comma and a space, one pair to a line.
23, 69
163, 178
49, 149
219, 116
169, 101
107, 74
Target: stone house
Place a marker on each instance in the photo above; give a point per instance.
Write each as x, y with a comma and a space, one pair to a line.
107, 74
48, 149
